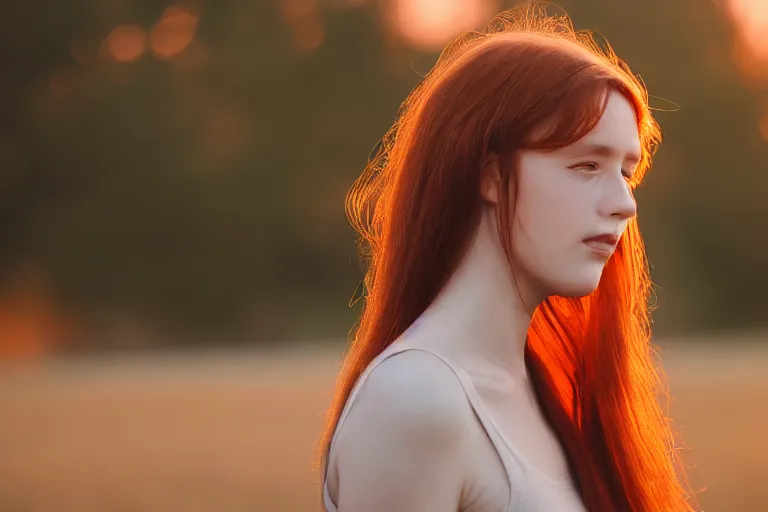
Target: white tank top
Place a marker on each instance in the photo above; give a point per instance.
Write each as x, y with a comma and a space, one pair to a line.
527, 489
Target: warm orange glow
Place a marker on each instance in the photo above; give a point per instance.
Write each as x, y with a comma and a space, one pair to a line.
302, 17
308, 34
173, 33
126, 43
751, 16
296, 9
429, 24
750, 49
763, 127
753, 69
30, 324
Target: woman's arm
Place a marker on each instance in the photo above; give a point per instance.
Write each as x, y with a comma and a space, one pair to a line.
404, 444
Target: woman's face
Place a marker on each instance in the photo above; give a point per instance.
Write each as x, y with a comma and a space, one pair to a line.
568, 195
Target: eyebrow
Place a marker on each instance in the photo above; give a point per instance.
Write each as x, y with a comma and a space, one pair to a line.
605, 150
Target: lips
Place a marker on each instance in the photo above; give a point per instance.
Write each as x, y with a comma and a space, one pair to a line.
604, 244
608, 239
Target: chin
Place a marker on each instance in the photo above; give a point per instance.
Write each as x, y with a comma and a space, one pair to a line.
577, 287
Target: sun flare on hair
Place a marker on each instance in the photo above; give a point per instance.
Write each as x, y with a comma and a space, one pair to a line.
429, 24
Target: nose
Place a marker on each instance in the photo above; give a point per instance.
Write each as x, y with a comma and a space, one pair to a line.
619, 201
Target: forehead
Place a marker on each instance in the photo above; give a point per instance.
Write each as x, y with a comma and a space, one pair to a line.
617, 128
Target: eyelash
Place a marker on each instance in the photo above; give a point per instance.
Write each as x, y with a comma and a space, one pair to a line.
623, 172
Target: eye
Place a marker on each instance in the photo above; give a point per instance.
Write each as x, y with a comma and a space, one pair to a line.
593, 166
590, 166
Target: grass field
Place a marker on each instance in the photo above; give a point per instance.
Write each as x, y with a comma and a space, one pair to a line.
235, 431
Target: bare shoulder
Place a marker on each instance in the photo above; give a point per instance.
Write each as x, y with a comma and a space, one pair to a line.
405, 440
414, 392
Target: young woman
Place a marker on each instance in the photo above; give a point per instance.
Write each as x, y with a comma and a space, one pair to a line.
503, 360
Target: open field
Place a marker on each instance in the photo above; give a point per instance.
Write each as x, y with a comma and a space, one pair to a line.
235, 431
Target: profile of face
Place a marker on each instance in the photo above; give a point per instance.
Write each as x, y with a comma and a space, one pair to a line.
569, 195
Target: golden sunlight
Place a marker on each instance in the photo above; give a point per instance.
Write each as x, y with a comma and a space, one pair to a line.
430, 24
751, 17
751, 46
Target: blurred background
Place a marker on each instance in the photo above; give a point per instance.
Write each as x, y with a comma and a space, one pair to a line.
178, 278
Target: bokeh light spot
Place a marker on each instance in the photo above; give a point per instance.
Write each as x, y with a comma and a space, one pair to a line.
126, 43
429, 24
173, 33
751, 17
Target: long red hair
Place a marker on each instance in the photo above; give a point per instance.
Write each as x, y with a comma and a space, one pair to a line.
417, 205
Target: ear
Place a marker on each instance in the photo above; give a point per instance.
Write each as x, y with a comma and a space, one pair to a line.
490, 178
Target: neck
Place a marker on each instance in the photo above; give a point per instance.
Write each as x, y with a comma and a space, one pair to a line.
482, 297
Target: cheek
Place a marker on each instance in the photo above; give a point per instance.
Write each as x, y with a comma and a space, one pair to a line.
549, 224
551, 214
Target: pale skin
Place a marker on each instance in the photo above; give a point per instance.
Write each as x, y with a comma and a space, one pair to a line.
411, 442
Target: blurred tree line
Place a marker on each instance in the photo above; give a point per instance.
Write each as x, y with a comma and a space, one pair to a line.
201, 196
